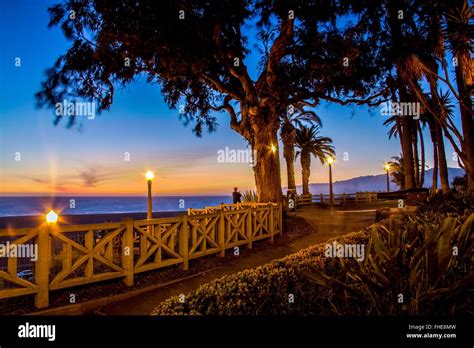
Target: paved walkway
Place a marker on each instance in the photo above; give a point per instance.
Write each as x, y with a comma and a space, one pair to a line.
327, 223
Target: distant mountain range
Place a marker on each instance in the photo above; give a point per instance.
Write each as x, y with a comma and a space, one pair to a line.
371, 183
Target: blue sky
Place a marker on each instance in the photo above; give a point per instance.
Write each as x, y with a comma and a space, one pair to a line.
56, 160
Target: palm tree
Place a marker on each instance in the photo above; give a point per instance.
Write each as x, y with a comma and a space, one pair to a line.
459, 34
397, 170
308, 142
289, 124
417, 138
443, 107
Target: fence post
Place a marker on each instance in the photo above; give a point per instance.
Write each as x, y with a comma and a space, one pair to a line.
357, 197
221, 233
370, 197
344, 198
321, 198
249, 226
184, 242
42, 268
128, 252
272, 223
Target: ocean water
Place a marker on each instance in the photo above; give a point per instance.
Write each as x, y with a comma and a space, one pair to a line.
35, 205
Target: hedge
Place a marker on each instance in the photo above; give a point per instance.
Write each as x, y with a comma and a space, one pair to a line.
276, 288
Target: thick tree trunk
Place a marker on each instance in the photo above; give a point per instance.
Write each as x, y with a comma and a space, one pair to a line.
443, 166
267, 166
306, 171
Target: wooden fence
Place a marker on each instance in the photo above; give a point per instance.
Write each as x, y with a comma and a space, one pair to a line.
69, 256
339, 199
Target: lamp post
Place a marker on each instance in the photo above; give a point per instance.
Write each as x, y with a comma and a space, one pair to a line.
149, 178
43, 260
330, 161
387, 170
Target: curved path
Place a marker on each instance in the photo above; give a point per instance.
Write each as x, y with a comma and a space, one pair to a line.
327, 224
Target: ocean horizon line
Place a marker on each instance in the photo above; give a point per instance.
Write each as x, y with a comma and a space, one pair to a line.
115, 195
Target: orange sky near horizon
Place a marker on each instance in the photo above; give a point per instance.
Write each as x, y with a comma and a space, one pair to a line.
202, 177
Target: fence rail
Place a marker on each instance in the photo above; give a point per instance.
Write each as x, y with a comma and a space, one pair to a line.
339, 199
69, 256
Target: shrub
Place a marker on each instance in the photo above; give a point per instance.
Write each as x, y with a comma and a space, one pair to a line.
264, 290
415, 267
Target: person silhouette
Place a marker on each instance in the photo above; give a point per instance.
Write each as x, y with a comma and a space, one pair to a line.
236, 196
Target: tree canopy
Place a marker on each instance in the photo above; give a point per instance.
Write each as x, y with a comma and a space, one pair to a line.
195, 52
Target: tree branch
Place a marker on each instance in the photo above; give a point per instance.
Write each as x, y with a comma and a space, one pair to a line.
277, 52
235, 124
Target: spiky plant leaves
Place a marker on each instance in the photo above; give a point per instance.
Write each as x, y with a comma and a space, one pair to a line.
414, 258
250, 196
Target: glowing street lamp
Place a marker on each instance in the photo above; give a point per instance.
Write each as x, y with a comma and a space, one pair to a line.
330, 161
51, 217
149, 175
387, 170
149, 178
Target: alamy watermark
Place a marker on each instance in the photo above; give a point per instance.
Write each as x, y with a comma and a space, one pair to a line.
68, 108
410, 109
228, 155
28, 251
356, 251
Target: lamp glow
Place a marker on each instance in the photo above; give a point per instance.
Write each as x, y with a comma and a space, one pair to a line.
387, 171
51, 217
149, 175
274, 148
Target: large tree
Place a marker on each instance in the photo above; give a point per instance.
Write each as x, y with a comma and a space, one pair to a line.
197, 52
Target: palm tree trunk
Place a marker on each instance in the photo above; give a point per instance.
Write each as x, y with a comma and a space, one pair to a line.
464, 80
407, 151
434, 141
422, 151
434, 181
416, 159
405, 134
290, 169
467, 121
443, 166
305, 170
288, 135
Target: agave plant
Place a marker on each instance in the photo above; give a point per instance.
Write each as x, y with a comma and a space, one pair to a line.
414, 267
250, 196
